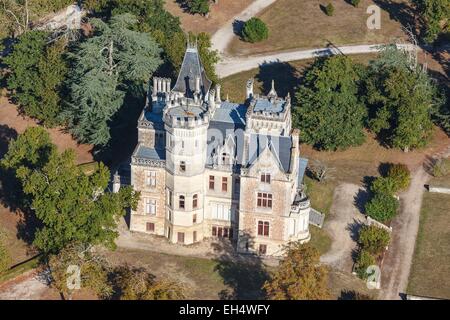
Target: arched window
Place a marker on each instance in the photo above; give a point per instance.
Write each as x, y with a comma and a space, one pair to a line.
195, 201
181, 202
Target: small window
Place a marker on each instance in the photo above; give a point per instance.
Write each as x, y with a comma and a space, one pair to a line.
182, 166
150, 226
170, 198
194, 218
181, 202
150, 178
150, 206
195, 201
211, 182
224, 184
225, 158
265, 178
214, 231
194, 236
263, 228
262, 249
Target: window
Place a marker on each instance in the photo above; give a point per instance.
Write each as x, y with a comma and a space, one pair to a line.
180, 238
196, 143
182, 144
150, 178
224, 184
150, 206
194, 218
265, 177
263, 228
169, 215
221, 212
222, 232
225, 158
262, 249
150, 226
264, 200
211, 182
181, 202
182, 166
194, 236
195, 201
170, 198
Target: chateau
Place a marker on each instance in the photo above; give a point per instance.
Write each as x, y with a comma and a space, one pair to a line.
212, 168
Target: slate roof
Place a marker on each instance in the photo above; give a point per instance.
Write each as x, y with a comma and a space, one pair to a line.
190, 69
280, 146
266, 105
150, 153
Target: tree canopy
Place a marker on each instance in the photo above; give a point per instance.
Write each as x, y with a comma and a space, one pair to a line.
436, 17
255, 30
329, 113
299, 276
104, 68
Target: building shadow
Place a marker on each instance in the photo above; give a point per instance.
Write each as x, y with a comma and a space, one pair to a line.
285, 76
245, 275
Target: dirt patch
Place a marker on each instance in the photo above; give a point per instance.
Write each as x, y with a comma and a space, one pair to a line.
219, 14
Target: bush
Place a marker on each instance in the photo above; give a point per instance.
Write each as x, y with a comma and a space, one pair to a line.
255, 30
441, 168
363, 261
373, 239
355, 3
329, 9
400, 175
384, 185
198, 6
382, 207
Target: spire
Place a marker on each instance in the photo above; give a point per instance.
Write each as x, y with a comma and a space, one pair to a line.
272, 92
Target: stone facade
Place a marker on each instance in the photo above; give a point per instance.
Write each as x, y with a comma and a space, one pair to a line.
212, 168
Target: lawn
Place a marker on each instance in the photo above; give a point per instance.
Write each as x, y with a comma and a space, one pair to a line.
431, 262
320, 239
303, 24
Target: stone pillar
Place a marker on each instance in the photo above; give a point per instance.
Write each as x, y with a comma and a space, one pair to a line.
159, 84
155, 86
168, 84
197, 84
218, 93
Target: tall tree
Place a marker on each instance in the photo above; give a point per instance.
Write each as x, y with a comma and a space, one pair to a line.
328, 112
37, 72
299, 276
401, 98
436, 17
71, 205
104, 67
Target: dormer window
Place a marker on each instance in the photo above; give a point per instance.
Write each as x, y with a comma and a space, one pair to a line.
225, 158
265, 178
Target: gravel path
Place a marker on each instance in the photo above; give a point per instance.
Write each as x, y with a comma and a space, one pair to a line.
342, 223
24, 287
222, 38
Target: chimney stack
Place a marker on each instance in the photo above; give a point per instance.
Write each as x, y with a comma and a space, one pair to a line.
249, 93
197, 84
218, 93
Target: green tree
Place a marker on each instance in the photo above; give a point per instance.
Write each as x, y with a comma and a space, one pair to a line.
400, 98
105, 66
299, 276
37, 72
197, 6
138, 284
436, 17
382, 207
364, 260
77, 259
401, 176
73, 206
355, 3
5, 257
329, 9
373, 239
255, 30
384, 185
328, 112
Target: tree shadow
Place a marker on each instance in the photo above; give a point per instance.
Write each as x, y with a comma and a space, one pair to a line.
360, 200
353, 295
354, 228
238, 26
284, 75
402, 13
243, 274
383, 168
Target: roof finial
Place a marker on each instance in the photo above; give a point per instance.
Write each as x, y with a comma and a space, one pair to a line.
272, 92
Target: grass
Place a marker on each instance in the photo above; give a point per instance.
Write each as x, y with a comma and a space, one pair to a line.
431, 261
19, 269
320, 239
320, 194
302, 24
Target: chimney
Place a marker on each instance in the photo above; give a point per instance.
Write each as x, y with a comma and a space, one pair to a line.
197, 84
218, 93
155, 86
168, 84
159, 84
249, 93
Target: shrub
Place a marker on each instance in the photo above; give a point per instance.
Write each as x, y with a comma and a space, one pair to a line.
400, 176
363, 261
384, 185
329, 9
255, 30
198, 6
373, 239
355, 3
382, 207
441, 168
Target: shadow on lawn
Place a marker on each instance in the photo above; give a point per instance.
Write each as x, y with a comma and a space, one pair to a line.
286, 78
244, 274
